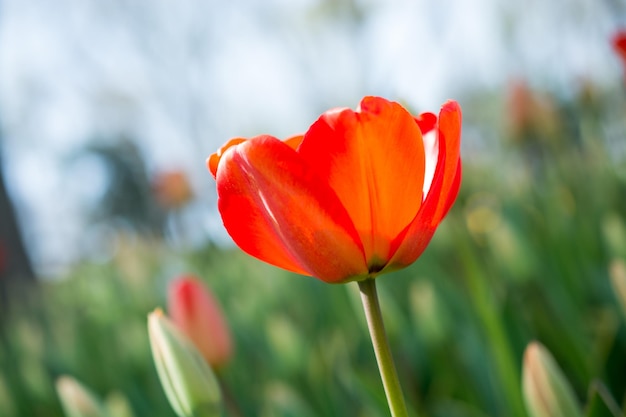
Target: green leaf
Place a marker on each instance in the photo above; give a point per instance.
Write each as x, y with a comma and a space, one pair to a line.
601, 402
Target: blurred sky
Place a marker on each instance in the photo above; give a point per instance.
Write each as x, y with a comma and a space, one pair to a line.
181, 77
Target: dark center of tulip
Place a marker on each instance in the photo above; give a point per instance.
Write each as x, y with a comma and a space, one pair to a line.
375, 266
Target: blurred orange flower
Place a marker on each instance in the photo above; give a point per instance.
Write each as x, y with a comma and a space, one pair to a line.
361, 193
172, 189
195, 311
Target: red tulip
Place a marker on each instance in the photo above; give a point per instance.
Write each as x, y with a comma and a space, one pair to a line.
619, 45
196, 312
361, 193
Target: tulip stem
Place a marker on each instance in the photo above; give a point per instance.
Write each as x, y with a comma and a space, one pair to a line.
387, 369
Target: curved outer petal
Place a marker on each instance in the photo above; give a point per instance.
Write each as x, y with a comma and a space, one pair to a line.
443, 191
374, 160
276, 208
454, 190
214, 160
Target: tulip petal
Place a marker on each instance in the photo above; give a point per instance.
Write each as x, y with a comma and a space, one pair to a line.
447, 173
454, 190
215, 158
276, 208
373, 158
426, 121
442, 194
294, 141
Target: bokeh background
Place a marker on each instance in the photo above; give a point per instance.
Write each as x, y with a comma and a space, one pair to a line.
108, 111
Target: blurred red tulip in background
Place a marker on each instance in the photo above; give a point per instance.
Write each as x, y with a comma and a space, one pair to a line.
619, 45
194, 310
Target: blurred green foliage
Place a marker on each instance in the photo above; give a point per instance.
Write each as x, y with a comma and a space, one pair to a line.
524, 255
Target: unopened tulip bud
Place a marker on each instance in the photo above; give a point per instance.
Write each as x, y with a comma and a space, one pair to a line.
189, 383
117, 405
197, 313
76, 399
546, 391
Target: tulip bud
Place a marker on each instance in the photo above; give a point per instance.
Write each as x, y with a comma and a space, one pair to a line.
196, 312
188, 381
76, 399
546, 391
117, 405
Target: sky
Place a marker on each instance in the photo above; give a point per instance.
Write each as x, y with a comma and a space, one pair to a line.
183, 77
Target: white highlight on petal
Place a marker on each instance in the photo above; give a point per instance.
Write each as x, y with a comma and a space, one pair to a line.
431, 149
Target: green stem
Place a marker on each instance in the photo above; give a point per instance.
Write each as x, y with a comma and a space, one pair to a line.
387, 369
230, 403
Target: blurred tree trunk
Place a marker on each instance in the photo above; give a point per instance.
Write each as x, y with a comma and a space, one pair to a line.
16, 271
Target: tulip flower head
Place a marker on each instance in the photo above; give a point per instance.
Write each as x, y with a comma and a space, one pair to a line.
359, 194
196, 312
618, 42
